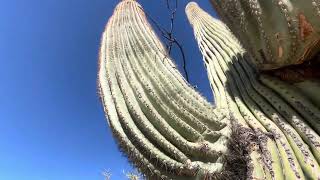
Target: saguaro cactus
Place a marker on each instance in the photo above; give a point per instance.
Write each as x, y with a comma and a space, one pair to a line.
263, 105
166, 128
261, 127
276, 32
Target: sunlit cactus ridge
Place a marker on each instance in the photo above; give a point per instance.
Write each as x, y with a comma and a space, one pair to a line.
260, 127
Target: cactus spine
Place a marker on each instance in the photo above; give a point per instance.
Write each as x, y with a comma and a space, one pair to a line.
261, 128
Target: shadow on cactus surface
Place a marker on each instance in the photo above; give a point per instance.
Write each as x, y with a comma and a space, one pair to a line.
261, 126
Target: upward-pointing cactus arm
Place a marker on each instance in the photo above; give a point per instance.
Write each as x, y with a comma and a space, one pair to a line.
282, 107
305, 157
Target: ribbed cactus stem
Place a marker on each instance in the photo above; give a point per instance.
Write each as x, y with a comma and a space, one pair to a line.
165, 127
260, 106
307, 109
277, 33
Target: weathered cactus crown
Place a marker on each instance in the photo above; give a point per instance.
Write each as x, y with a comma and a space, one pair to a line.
261, 128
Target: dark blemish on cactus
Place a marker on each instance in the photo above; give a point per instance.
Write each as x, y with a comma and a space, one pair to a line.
305, 27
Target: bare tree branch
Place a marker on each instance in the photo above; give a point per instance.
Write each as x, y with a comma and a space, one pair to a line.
169, 36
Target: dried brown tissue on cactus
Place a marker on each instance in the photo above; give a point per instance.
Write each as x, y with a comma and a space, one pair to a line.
285, 32
169, 131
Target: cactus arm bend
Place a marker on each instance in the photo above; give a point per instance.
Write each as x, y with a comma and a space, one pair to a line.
165, 127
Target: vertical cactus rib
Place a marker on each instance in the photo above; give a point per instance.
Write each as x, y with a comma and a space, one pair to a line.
297, 142
165, 127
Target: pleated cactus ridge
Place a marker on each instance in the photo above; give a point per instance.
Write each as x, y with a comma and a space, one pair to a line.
284, 120
166, 128
277, 33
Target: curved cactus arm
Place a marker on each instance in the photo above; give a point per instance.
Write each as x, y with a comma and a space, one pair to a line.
171, 95
283, 108
225, 52
194, 14
277, 33
165, 127
256, 168
302, 151
258, 116
133, 153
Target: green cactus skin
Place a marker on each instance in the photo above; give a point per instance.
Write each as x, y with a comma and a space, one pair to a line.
276, 33
167, 129
310, 88
263, 106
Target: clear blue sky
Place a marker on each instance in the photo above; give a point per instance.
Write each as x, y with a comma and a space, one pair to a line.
52, 126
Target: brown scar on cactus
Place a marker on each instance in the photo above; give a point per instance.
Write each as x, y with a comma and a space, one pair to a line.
305, 27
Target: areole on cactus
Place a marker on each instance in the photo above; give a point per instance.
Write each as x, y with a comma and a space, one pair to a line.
260, 128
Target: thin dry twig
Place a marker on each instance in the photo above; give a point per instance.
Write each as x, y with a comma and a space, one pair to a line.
169, 35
